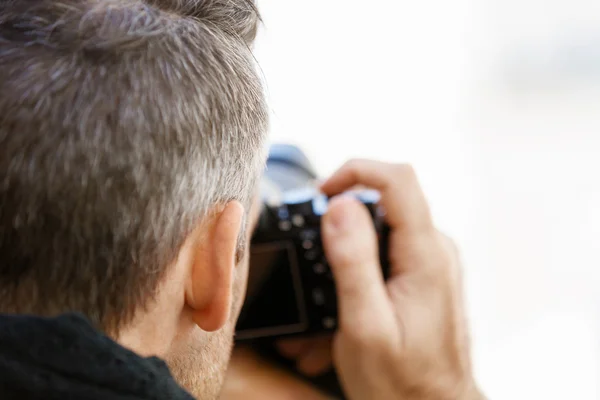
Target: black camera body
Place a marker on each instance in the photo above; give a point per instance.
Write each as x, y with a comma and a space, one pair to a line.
291, 290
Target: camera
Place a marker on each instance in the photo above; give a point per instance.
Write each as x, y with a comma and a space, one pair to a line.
291, 290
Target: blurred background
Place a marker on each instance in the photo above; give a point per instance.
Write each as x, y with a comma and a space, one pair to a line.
497, 104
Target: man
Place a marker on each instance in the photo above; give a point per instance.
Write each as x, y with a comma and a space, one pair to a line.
131, 140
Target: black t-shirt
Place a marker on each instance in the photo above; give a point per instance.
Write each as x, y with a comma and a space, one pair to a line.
66, 358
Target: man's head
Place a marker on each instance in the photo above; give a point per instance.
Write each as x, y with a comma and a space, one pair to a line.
131, 139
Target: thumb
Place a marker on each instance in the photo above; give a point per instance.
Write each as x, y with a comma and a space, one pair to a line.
350, 244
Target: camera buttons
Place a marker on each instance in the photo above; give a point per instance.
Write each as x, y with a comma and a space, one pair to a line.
298, 220
285, 225
311, 255
329, 322
309, 234
318, 296
319, 269
283, 213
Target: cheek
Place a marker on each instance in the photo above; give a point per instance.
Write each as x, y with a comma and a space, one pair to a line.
199, 362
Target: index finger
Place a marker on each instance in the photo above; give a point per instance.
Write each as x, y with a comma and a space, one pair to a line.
401, 195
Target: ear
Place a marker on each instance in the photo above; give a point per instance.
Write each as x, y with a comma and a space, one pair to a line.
209, 293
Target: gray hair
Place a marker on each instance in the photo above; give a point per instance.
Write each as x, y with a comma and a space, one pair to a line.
122, 123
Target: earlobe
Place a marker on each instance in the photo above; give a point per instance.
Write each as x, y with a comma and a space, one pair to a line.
210, 293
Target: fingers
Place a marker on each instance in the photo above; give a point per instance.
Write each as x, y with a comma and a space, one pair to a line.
313, 355
293, 348
401, 194
249, 377
317, 359
351, 249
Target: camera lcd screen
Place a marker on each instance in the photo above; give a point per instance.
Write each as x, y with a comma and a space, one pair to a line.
274, 300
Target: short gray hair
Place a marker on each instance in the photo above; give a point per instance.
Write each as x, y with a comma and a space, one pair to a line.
122, 123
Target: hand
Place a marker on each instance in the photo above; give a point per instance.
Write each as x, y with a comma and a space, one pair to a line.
405, 338
250, 377
313, 354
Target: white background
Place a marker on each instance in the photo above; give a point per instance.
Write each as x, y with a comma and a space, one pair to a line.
497, 104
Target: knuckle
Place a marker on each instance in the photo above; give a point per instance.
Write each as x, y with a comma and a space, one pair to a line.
438, 261
358, 286
353, 164
406, 171
449, 258
340, 258
449, 245
354, 167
